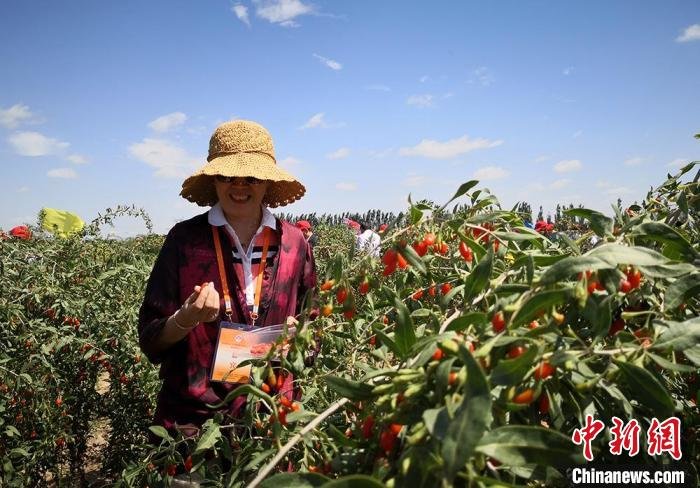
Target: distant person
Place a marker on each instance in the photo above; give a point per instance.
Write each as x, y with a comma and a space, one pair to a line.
21, 232
353, 226
305, 227
368, 241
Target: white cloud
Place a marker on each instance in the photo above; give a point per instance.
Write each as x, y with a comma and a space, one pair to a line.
168, 122
542, 159
414, 180
603, 184
677, 163
618, 190
289, 161
421, 101
691, 33
636, 161
334, 65
482, 76
341, 153
567, 166
491, 173
77, 159
36, 144
241, 12
346, 186
315, 121
15, 115
64, 173
424, 78
169, 159
383, 88
282, 12
448, 95
452, 148
23, 189
568, 70
377, 154
559, 184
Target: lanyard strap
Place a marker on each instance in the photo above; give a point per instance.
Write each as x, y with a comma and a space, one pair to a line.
261, 268
224, 283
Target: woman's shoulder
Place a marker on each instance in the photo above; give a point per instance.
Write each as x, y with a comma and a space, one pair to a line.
289, 229
291, 235
190, 226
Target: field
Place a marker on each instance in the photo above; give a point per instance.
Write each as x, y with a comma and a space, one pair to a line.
468, 355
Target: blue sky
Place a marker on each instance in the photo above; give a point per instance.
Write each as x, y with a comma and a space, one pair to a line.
113, 102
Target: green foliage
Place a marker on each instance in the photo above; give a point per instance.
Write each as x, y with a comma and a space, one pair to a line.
413, 386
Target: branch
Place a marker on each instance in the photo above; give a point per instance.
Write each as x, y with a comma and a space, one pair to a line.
297, 437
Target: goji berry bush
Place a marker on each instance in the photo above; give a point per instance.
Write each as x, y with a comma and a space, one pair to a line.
468, 355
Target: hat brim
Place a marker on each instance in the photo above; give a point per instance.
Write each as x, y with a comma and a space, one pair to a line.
283, 188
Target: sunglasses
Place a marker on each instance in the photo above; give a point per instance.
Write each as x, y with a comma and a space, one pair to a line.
248, 180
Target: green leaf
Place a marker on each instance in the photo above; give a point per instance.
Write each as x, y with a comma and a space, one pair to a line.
661, 232
600, 224
568, 267
463, 188
539, 302
437, 421
160, 432
354, 390
445, 300
666, 364
211, 435
681, 290
538, 260
413, 259
461, 323
415, 214
512, 289
617, 254
511, 371
617, 396
646, 389
405, 335
479, 278
599, 313
520, 445
679, 336
295, 480
354, 481
243, 390
525, 235
693, 354
18, 452
471, 419
670, 270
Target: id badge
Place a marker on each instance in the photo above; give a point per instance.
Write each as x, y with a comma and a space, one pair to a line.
240, 342
232, 348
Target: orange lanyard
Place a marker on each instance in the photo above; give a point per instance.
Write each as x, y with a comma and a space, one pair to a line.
258, 285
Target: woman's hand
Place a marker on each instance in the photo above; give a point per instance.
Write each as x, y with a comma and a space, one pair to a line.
201, 306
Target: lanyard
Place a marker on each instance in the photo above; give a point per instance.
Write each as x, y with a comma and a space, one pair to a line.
224, 283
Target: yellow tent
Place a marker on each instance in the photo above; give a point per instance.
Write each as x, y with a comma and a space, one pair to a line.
60, 222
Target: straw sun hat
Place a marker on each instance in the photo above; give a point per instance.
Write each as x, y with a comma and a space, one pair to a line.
242, 148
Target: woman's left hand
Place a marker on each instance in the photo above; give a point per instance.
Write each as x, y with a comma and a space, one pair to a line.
200, 306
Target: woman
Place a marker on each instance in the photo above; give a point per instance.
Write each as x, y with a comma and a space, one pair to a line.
217, 252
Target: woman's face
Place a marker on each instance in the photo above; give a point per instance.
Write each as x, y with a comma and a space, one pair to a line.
240, 197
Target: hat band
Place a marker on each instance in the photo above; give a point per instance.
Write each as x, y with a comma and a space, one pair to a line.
230, 153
